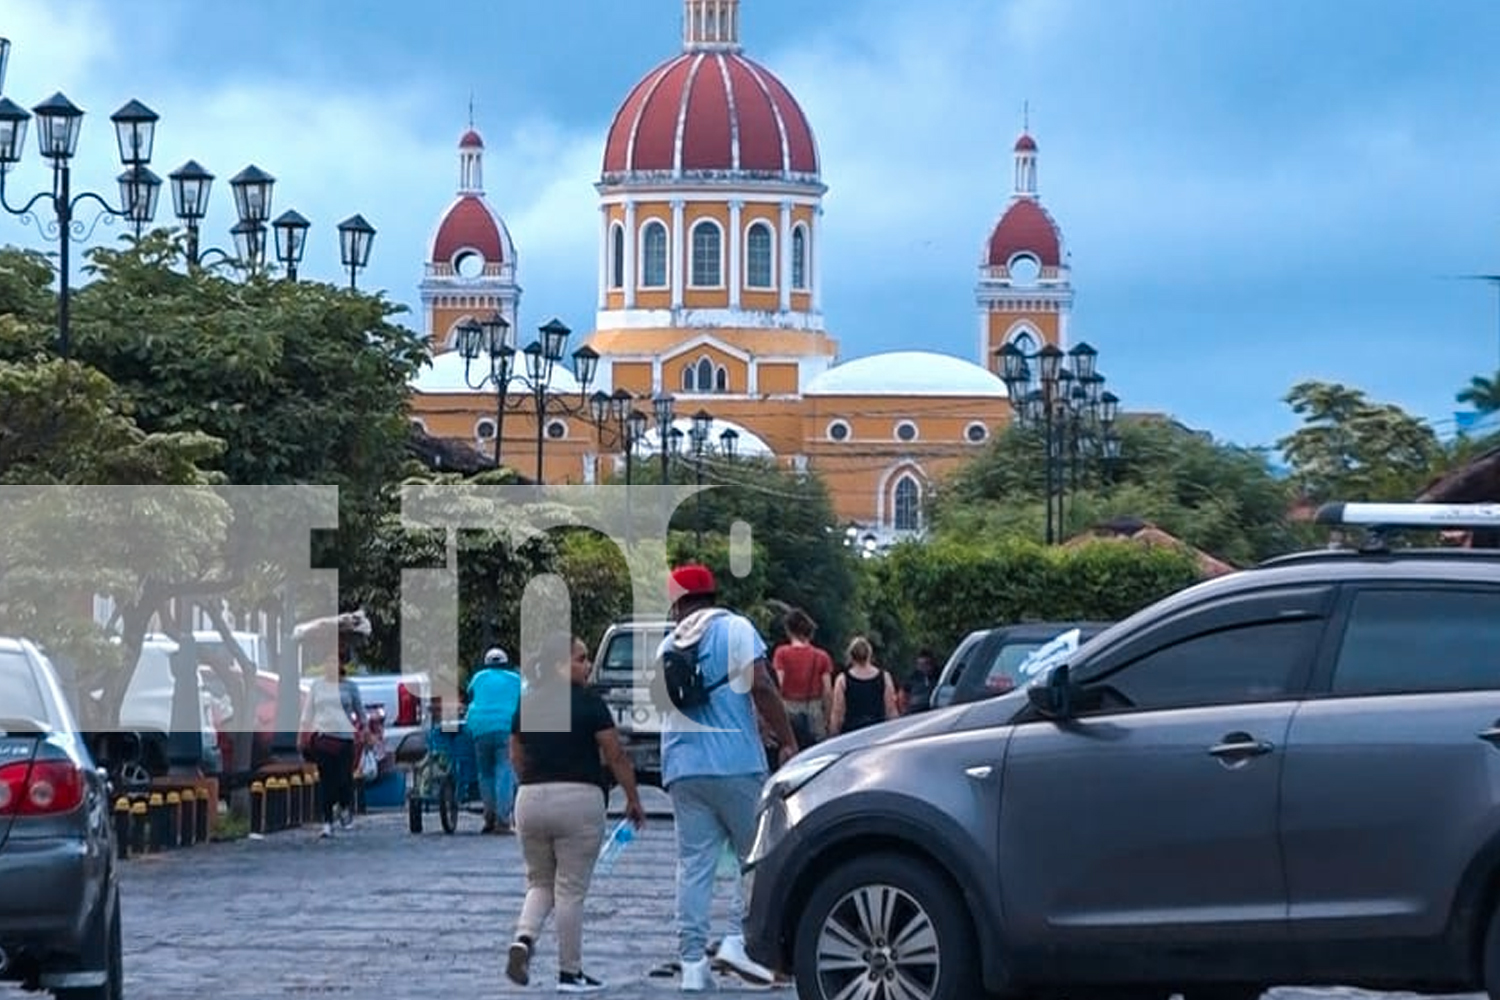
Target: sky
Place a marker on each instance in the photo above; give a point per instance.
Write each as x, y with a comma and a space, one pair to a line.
1252, 193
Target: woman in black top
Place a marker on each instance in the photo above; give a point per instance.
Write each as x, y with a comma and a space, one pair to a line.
864, 694
560, 806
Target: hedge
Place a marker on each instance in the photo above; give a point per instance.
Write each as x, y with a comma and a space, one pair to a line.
933, 594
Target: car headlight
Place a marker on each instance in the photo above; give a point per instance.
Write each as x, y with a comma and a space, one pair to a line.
795, 774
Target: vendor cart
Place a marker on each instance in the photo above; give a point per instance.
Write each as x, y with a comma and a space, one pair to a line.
444, 774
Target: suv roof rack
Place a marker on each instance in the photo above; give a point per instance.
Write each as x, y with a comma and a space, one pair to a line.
1380, 520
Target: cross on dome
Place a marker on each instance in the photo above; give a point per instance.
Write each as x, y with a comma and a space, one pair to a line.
711, 24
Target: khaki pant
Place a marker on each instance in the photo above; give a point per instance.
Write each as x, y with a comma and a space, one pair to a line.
561, 825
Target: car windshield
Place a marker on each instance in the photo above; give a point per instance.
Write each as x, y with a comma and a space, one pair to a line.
620, 654
1020, 662
20, 694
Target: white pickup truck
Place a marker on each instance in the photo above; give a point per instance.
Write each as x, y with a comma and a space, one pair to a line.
401, 701
624, 675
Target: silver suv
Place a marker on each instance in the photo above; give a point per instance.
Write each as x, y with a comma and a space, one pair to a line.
624, 675
1288, 775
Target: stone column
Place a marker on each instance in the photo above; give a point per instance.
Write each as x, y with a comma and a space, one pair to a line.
736, 242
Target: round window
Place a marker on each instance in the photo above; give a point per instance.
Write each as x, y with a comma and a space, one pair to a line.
976, 433
906, 431
557, 429
838, 431
469, 264
485, 429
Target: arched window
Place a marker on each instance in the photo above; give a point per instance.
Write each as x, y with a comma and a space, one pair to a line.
721, 380
907, 509
705, 374
708, 254
758, 264
689, 378
654, 255
1025, 341
617, 256
799, 258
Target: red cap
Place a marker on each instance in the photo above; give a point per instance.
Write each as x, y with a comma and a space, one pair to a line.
691, 579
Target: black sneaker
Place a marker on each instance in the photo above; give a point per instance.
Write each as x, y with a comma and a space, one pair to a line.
577, 982
518, 963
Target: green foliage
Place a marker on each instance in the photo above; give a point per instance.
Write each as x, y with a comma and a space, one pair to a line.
1217, 497
1351, 448
1483, 394
934, 594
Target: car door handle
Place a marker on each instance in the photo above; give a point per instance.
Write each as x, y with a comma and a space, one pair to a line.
979, 772
1491, 735
1240, 745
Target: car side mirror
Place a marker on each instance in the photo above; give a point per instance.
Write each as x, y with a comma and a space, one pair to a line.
1054, 697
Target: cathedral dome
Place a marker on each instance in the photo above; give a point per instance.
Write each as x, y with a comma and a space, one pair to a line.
1025, 228
711, 110
471, 237
907, 373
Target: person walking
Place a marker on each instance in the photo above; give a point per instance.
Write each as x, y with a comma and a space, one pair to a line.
916, 692
334, 720
714, 763
494, 694
560, 807
864, 694
805, 674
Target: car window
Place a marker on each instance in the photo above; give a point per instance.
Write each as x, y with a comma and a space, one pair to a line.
1249, 663
20, 695
619, 655
1002, 673
1411, 641
954, 669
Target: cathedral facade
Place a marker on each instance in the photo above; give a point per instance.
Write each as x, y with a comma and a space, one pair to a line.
710, 304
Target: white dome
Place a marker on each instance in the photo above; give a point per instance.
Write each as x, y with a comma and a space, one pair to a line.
907, 373
749, 445
446, 374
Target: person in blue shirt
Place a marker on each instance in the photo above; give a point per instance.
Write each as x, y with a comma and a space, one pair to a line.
494, 692
714, 764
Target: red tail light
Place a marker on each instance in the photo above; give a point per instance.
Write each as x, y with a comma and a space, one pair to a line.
408, 706
40, 788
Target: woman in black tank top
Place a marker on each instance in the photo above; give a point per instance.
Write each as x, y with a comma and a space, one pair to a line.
863, 695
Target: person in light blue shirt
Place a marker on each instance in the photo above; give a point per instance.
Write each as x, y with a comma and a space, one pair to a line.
494, 692
714, 764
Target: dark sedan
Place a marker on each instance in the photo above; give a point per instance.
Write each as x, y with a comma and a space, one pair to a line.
59, 893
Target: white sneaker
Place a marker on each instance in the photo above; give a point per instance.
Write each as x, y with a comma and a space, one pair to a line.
732, 953
327, 831
346, 817
698, 977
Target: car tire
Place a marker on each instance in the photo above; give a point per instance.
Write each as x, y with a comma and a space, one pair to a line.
934, 953
102, 947
1490, 966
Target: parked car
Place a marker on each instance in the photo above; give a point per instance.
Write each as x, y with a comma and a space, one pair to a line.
59, 892
624, 675
398, 706
988, 662
1282, 776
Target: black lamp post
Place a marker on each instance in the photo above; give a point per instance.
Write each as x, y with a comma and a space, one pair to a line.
703, 422
627, 424
1071, 409
664, 407
540, 358
356, 236
729, 442
58, 124
493, 337
291, 240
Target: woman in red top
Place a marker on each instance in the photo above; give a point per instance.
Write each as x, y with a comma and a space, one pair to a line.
805, 673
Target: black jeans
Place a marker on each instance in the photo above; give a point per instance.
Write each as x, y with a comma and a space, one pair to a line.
335, 759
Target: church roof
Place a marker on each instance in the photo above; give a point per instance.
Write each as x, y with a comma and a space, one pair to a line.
907, 373
445, 374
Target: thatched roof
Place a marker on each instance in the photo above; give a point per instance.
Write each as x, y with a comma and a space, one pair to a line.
1144, 533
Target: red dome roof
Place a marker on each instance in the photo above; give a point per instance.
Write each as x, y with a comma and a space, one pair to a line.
471, 140
1025, 228
710, 112
1025, 144
470, 224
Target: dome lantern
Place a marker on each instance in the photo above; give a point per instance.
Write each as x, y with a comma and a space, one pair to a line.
711, 25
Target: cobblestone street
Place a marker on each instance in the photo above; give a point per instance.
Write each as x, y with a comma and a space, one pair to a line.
380, 913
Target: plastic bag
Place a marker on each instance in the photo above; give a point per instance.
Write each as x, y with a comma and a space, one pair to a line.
369, 765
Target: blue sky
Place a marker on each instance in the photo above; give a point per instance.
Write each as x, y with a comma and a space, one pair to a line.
1252, 192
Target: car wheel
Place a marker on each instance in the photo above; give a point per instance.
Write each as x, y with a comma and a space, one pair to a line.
103, 949
885, 926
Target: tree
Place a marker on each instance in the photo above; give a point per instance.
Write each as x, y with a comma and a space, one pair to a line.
1483, 394
1351, 448
1217, 497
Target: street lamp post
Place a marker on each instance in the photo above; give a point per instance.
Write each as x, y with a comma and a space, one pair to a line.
729, 441
1070, 407
663, 405
59, 122
703, 422
355, 239
615, 411
495, 338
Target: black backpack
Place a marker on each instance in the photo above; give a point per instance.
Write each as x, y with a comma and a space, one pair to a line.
683, 676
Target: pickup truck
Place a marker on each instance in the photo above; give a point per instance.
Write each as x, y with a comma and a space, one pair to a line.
623, 675
399, 701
